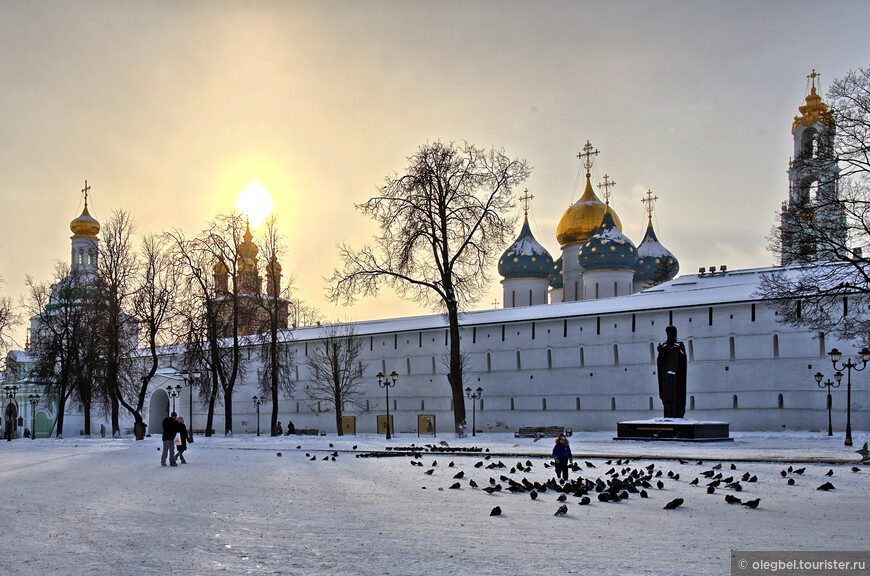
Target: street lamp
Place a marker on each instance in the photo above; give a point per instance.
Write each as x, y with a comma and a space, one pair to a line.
257, 401
34, 402
864, 355
473, 396
386, 384
173, 393
818, 376
190, 380
11, 391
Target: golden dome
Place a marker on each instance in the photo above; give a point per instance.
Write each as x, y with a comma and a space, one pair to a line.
85, 225
813, 111
248, 249
274, 267
221, 268
582, 219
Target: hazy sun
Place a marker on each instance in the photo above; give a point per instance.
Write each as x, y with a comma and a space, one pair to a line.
255, 203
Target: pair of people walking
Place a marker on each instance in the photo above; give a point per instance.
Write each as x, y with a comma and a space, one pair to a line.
173, 425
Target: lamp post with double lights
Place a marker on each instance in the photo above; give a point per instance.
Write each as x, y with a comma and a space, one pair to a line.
11, 391
474, 396
386, 383
190, 380
173, 393
830, 383
34, 402
848, 366
257, 401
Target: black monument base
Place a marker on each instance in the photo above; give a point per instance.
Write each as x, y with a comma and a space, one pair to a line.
673, 429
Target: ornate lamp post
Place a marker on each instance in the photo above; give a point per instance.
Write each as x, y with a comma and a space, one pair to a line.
818, 376
386, 383
474, 396
11, 391
864, 355
34, 402
173, 393
257, 401
190, 380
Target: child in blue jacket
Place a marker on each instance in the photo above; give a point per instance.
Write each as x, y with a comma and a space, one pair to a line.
561, 455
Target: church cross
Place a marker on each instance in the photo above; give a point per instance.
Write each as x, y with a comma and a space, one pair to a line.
649, 203
587, 155
813, 77
85, 190
495, 303
525, 200
607, 185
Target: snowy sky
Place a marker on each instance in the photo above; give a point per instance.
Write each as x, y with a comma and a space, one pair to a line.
170, 108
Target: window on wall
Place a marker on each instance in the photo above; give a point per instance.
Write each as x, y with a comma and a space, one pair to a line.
691, 350
564, 328
633, 322
734, 402
732, 352
582, 357
776, 345
544, 404
651, 403
822, 352
530, 297
692, 402
779, 401
616, 354
652, 352
613, 404
752, 312
408, 365
488, 362
512, 403
474, 335
578, 402
549, 359
710, 316
519, 362
533, 330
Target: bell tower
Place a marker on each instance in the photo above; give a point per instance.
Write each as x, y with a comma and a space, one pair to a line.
812, 220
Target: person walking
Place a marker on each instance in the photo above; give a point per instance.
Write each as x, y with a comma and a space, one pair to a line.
562, 455
182, 446
170, 429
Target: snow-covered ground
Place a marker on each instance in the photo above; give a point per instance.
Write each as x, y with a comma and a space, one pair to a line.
103, 506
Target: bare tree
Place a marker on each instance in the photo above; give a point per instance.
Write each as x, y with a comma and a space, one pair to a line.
335, 369
441, 225
831, 294
9, 320
62, 336
275, 354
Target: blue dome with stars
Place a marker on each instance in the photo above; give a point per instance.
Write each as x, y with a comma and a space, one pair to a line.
525, 258
654, 261
608, 249
556, 278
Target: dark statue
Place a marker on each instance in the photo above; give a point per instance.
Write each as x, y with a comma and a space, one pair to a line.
671, 364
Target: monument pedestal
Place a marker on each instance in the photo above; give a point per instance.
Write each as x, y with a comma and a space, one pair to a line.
673, 429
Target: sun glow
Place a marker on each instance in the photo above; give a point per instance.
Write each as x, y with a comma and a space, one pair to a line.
254, 202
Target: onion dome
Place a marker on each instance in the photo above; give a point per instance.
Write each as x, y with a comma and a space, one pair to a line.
582, 219
221, 268
247, 251
654, 260
814, 110
556, 279
85, 225
608, 249
273, 267
525, 258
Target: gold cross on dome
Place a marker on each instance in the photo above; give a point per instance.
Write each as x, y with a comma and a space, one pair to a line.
813, 77
85, 190
495, 303
607, 185
525, 200
649, 202
587, 155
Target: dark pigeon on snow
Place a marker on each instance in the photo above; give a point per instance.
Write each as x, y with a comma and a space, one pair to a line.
675, 503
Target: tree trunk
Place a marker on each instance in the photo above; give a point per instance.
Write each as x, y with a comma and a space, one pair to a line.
61, 406
338, 426
86, 409
209, 422
228, 411
455, 375
139, 426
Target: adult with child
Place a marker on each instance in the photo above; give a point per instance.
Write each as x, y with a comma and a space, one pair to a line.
170, 429
182, 445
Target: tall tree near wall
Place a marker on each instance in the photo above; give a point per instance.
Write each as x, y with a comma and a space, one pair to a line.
832, 297
335, 369
441, 226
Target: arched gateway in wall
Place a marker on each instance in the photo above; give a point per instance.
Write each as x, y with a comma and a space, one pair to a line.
158, 409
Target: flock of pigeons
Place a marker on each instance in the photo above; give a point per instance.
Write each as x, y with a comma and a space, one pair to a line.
620, 482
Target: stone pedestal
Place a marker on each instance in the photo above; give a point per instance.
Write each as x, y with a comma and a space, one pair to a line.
673, 429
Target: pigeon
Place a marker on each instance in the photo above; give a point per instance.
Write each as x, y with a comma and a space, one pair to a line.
733, 467
330, 445
587, 462
783, 473
710, 490
313, 458
434, 463
459, 474
800, 470
717, 466
676, 502
455, 486
694, 482
443, 443
354, 447
643, 494
533, 495
789, 469
826, 486
790, 482
495, 511
563, 509
752, 503
562, 498
753, 479
489, 489
472, 483
451, 464
745, 477
732, 499
855, 469
584, 501
830, 472
429, 471
279, 454
478, 465
660, 484
864, 452
681, 461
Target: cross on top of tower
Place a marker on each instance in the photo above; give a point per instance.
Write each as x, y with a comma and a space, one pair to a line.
607, 185
85, 190
813, 77
525, 200
649, 203
586, 155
